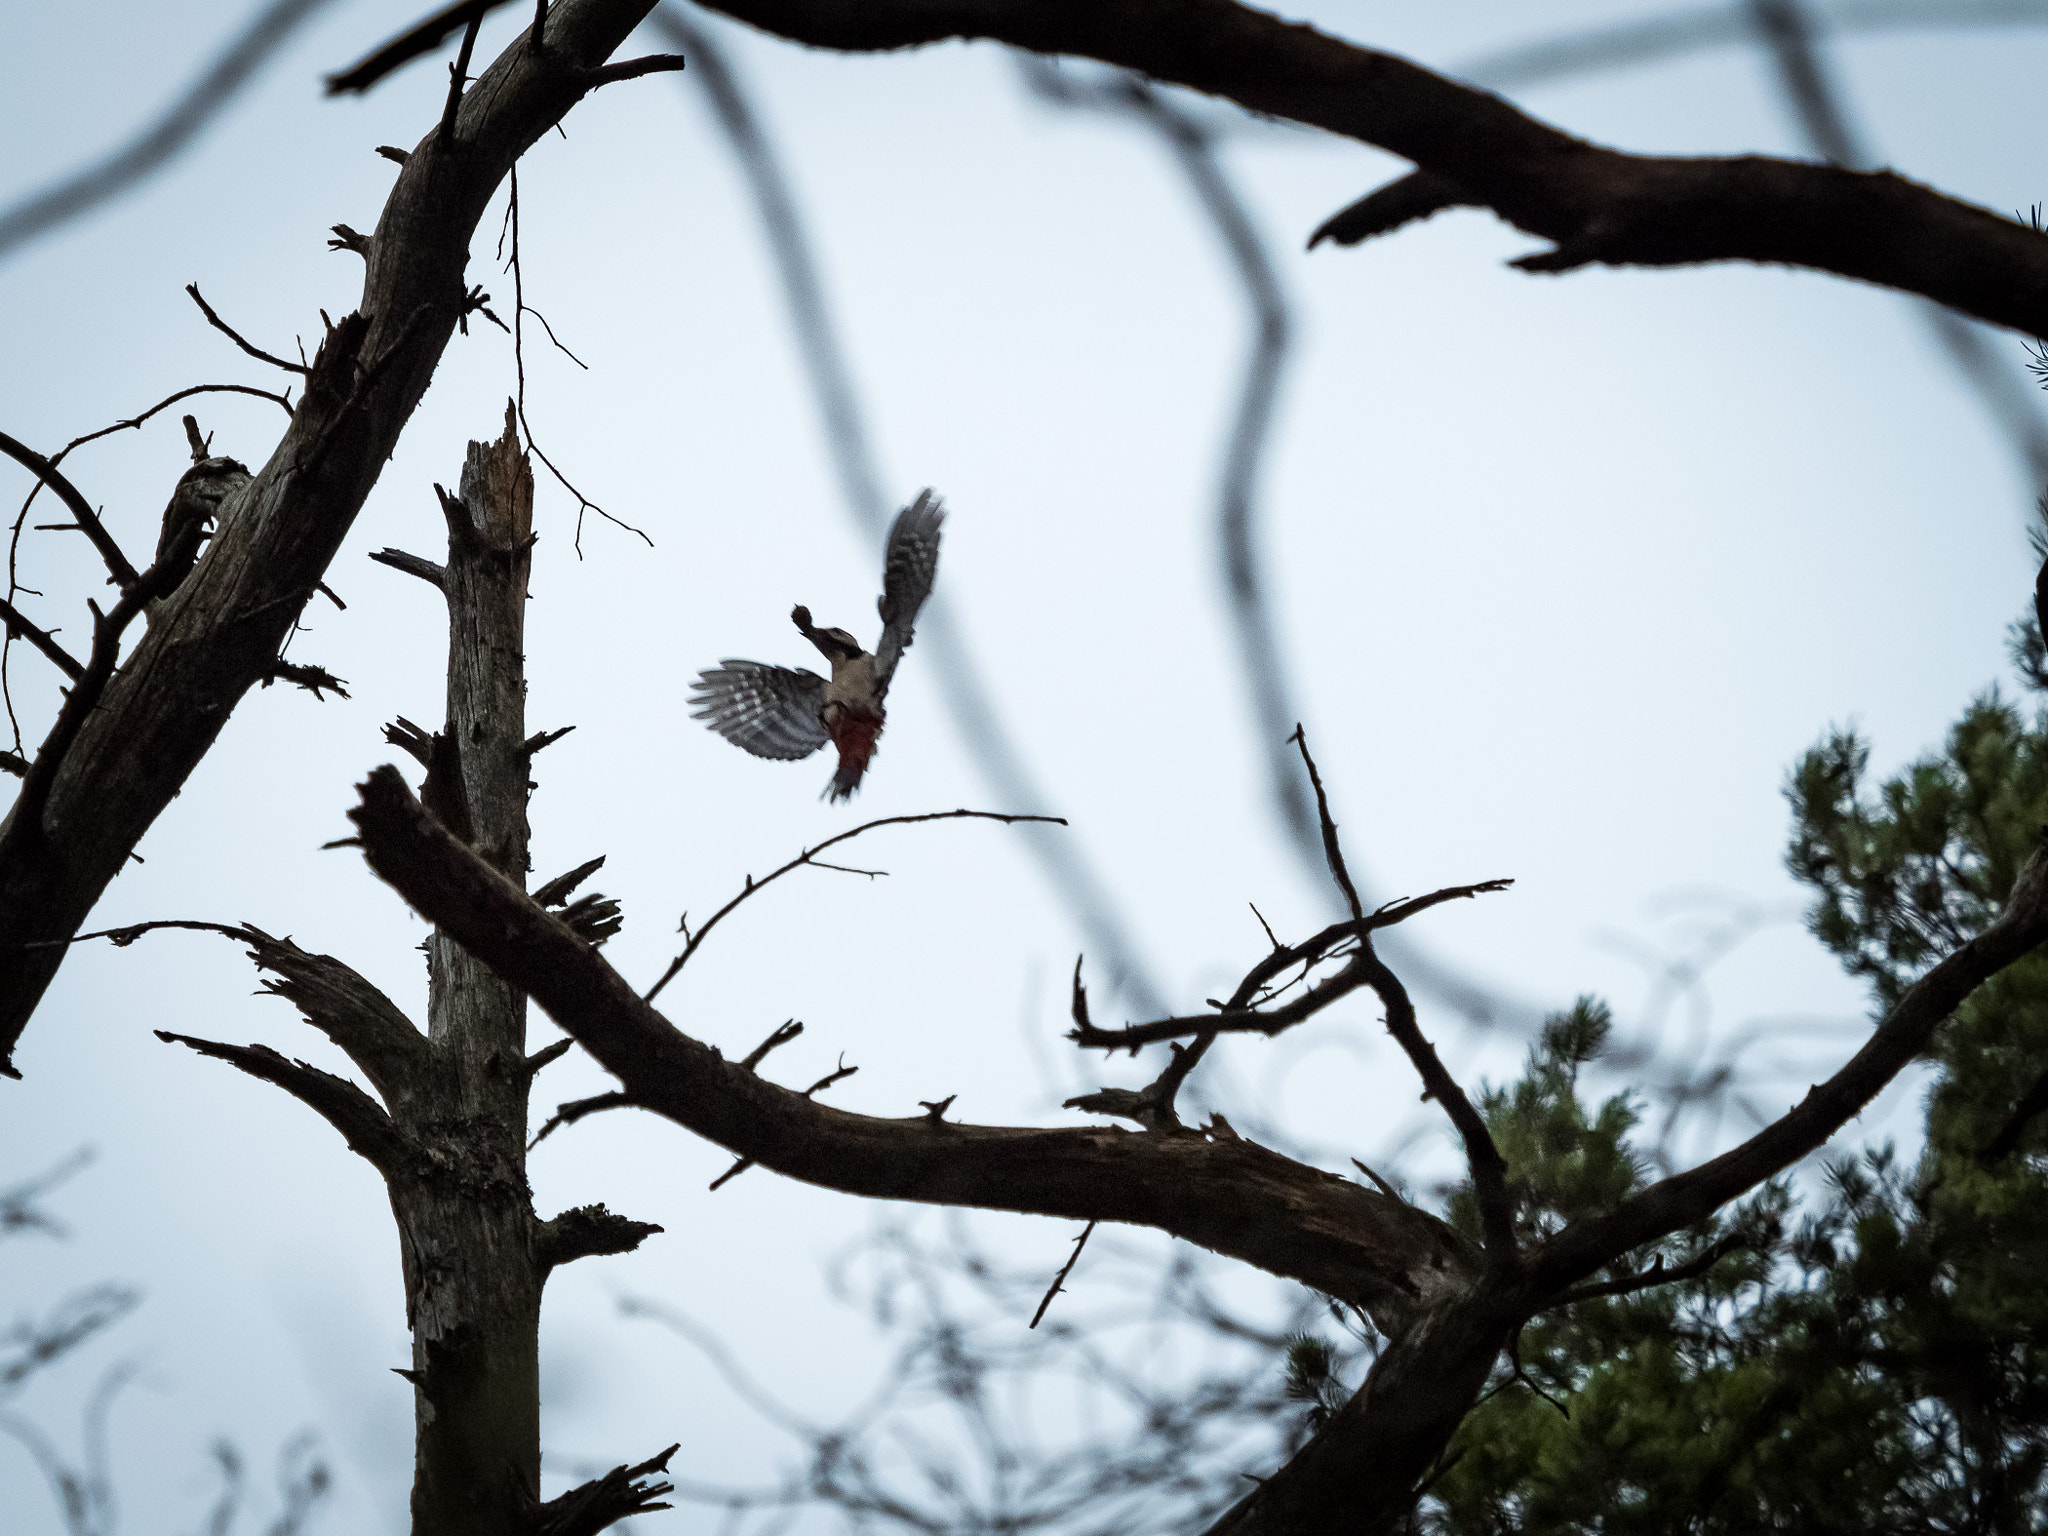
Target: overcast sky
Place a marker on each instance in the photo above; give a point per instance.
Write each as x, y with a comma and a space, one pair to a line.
1568, 571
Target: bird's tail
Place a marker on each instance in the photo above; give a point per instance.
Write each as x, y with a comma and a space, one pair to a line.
854, 732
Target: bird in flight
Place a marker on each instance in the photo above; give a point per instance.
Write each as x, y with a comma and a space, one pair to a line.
786, 712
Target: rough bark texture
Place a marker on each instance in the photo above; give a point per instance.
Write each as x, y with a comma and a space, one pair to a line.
473, 1271
1361, 1473
220, 631
450, 1135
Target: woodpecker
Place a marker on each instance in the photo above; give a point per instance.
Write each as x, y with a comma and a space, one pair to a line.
788, 713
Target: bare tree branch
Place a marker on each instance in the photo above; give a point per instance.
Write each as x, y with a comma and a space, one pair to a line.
597, 1505
118, 567
1593, 204
213, 319
1672, 1204
222, 630
1242, 1012
18, 625
810, 857
420, 39
367, 1128
1227, 1194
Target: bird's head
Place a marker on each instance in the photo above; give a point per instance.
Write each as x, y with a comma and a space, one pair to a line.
836, 644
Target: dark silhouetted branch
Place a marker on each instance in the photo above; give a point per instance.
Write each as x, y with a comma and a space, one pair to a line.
1059, 1281
1333, 852
317, 681
1245, 1011
1672, 1204
597, 1505
209, 643
1592, 204
432, 574
131, 423
89, 523
577, 1109
214, 320
543, 739
367, 1128
1228, 1195
1417, 195
586, 1232
635, 69
418, 40
19, 627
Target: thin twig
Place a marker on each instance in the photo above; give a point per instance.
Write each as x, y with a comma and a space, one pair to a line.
89, 523
577, 1109
458, 78
1384, 1187
519, 309
123, 937
237, 338
282, 402
41, 639
634, 69
1488, 1167
1656, 1274
1241, 1013
783, 1033
809, 856
421, 38
1331, 849
1059, 1280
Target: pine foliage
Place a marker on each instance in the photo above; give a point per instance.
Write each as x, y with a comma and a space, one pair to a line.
1874, 1356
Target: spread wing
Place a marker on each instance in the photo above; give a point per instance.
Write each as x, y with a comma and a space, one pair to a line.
770, 711
907, 572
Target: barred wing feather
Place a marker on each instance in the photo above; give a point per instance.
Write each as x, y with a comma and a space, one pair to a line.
907, 572
770, 711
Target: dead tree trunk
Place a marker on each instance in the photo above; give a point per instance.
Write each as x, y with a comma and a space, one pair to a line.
473, 1268
450, 1139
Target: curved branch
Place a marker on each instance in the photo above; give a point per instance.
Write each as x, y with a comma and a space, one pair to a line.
1673, 1204
1240, 1015
89, 522
1594, 204
810, 856
1229, 1195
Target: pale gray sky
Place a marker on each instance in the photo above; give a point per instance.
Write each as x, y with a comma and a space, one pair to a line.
1569, 571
